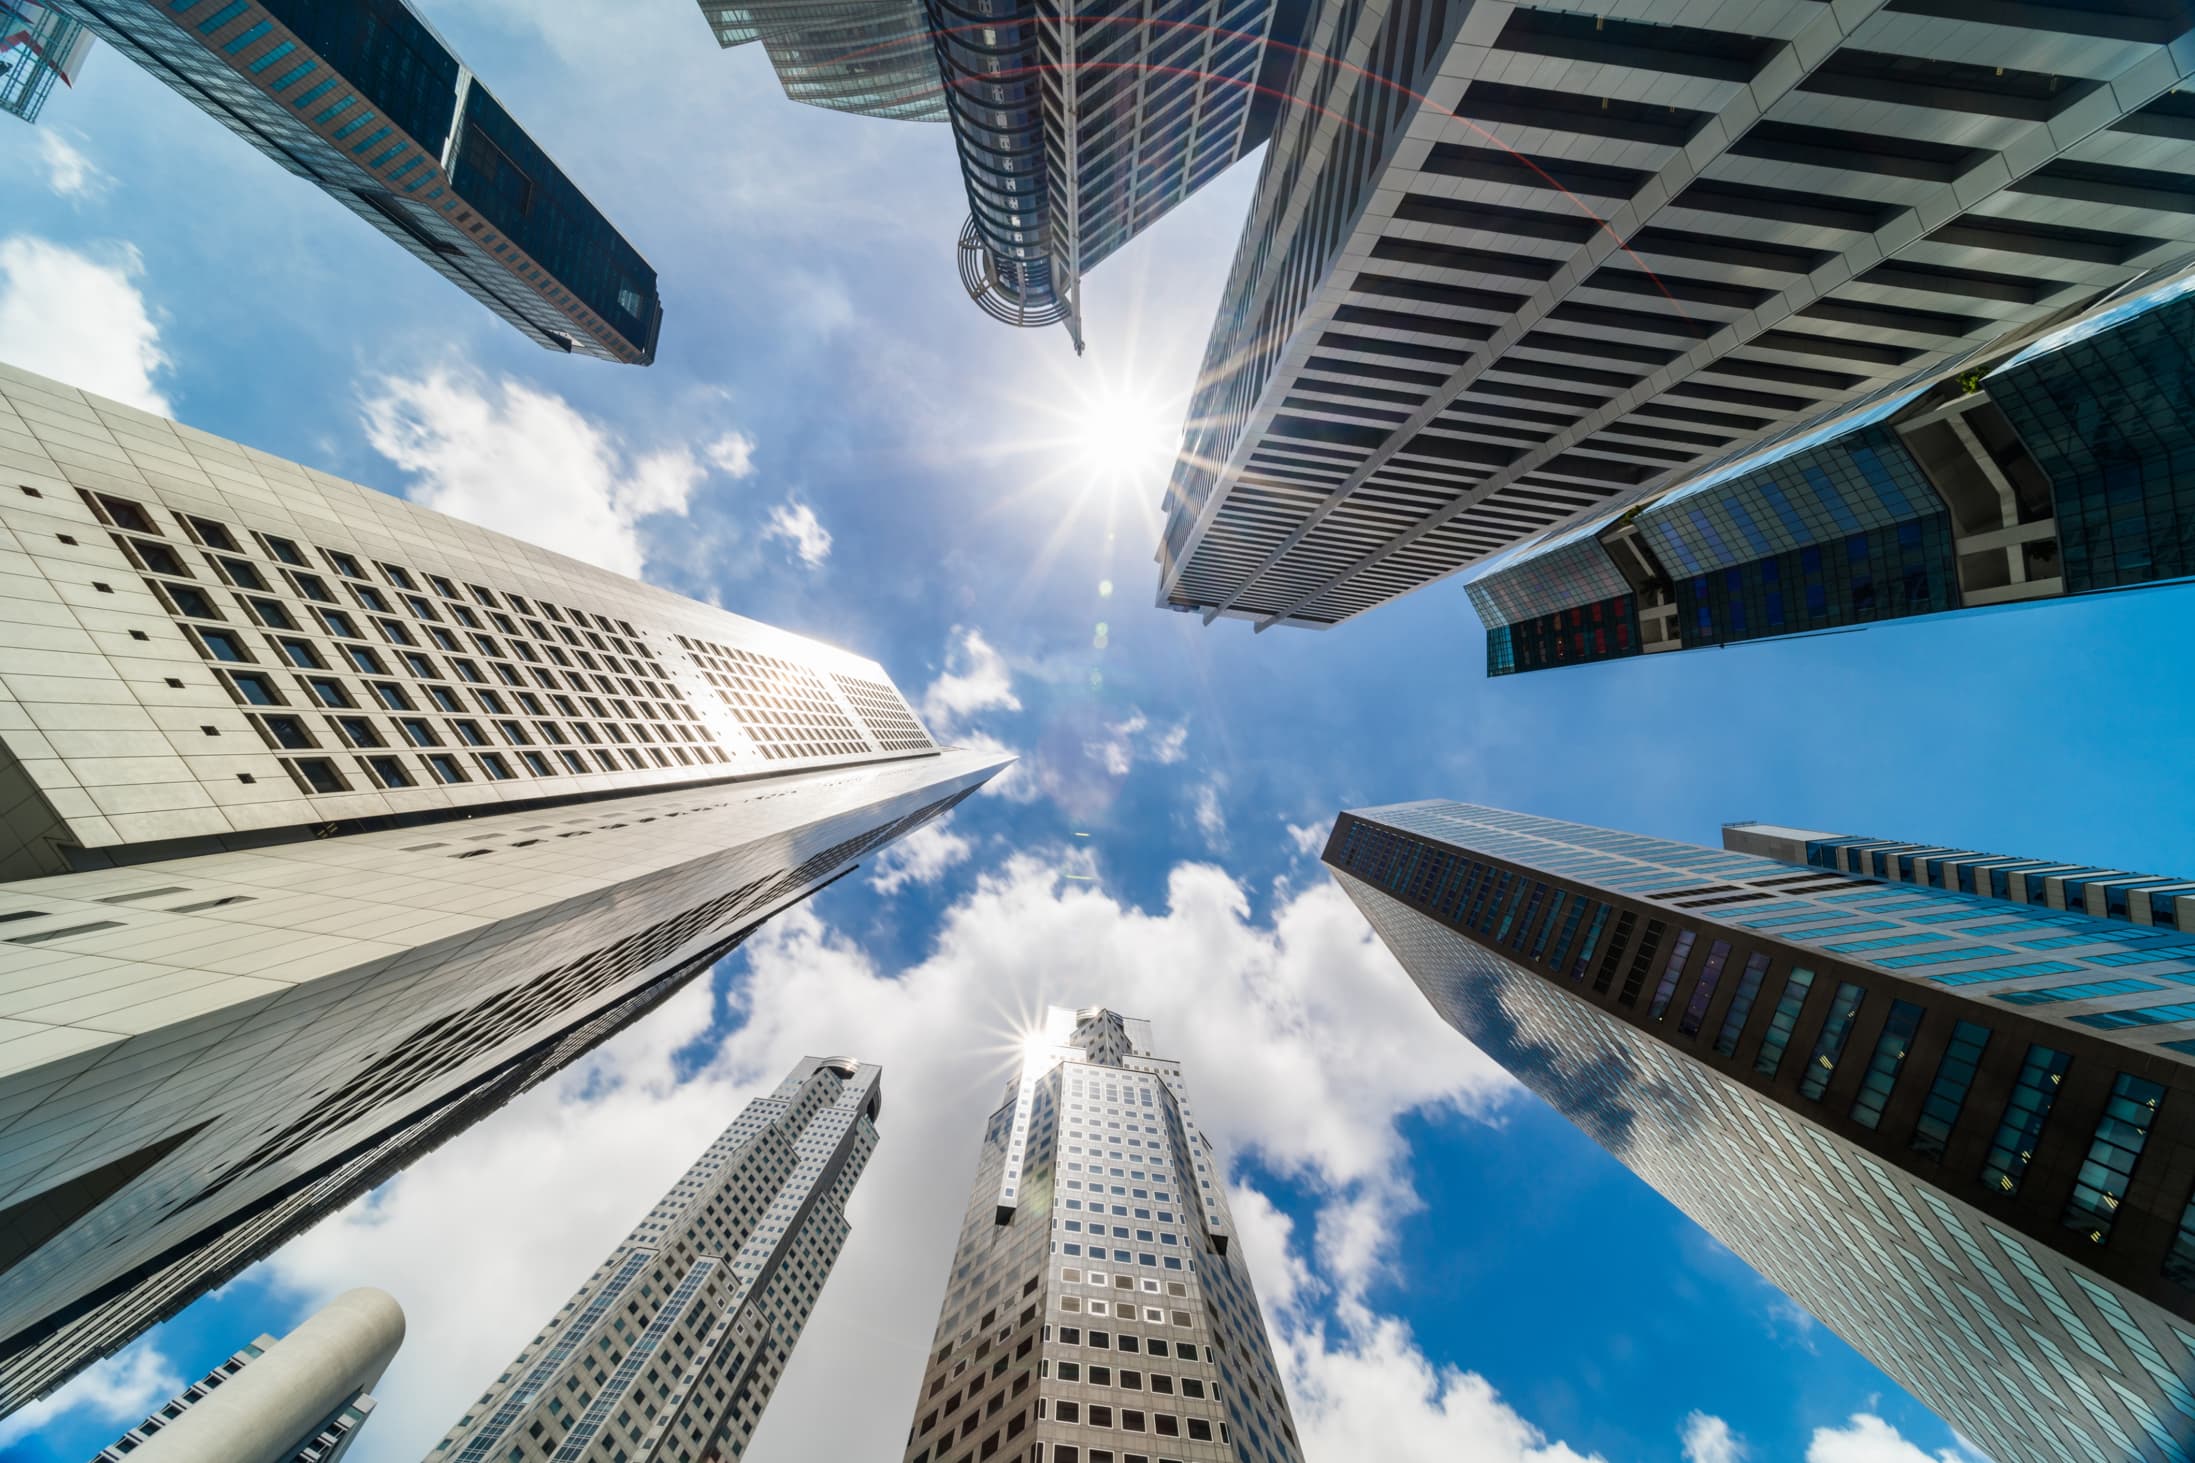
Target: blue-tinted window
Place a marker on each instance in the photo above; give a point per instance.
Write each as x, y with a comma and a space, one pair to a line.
1695, 1009
1947, 1092
1844, 1008
2121, 1134
1781, 1021
2025, 1112
1741, 1005
1884, 1066
1671, 974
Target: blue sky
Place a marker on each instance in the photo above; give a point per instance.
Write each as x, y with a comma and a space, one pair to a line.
835, 441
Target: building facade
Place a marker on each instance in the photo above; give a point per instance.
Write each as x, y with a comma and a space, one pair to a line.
331, 823
873, 58
306, 1398
1514, 266
2053, 470
1096, 1310
673, 1346
1957, 1128
39, 45
362, 98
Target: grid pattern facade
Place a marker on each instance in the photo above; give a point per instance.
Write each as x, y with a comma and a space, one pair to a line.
263, 945
2107, 418
1603, 630
361, 98
672, 1348
327, 1445
1881, 574
38, 46
869, 57
1985, 1196
1610, 247
1095, 1312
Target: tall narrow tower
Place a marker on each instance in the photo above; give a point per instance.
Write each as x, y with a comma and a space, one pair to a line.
1940, 1098
1096, 1309
673, 1346
328, 823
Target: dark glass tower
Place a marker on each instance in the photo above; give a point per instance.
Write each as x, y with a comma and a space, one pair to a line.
1960, 1129
362, 98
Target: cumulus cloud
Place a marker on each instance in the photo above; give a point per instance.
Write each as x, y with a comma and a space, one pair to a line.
1303, 1042
733, 454
508, 457
1132, 739
922, 857
1866, 1438
975, 680
119, 1392
797, 524
68, 172
1308, 838
81, 320
1708, 1439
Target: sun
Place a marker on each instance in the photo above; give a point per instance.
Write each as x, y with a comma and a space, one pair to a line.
1119, 438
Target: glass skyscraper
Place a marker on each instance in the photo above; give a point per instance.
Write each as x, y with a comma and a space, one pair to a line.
39, 45
873, 58
362, 98
328, 824
1514, 271
672, 1348
1097, 1310
1958, 1128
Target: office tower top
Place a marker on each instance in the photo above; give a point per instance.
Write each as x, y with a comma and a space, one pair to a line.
1077, 131
1533, 262
332, 823
364, 99
38, 46
1958, 1128
298, 1400
672, 1348
1095, 1308
870, 57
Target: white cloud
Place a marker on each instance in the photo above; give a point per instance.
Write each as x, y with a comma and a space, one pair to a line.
121, 1392
1211, 818
733, 454
68, 172
1302, 1040
508, 457
81, 320
1308, 838
1130, 739
922, 857
797, 524
975, 680
1866, 1438
1708, 1439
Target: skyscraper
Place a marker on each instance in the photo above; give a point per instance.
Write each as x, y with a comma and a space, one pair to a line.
1958, 1128
38, 46
298, 1400
870, 57
362, 98
330, 823
1521, 264
673, 1346
1096, 1309
2047, 472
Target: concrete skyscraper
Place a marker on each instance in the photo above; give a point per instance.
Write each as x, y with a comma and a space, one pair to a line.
671, 1349
1514, 265
298, 1400
362, 98
1096, 1310
328, 823
1957, 1126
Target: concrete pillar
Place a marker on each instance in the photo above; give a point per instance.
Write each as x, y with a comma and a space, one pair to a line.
261, 1414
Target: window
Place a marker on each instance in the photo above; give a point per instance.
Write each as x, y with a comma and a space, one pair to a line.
420, 665
257, 690
339, 624
286, 731
2120, 1135
190, 602
344, 564
392, 696
445, 698
1695, 1009
312, 586
125, 514
221, 645
471, 734
1947, 1093
269, 612
2025, 1112
446, 768
283, 549
302, 655
159, 558
1829, 1046
1671, 974
389, 772
358, 731
365, 660
1883, 1068
395, 633
329, 692
1741, 1006
419, 733
498, 769
240, 573
1780, 1023
317, 775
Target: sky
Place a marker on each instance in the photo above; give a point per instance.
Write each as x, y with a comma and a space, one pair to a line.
834, 440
